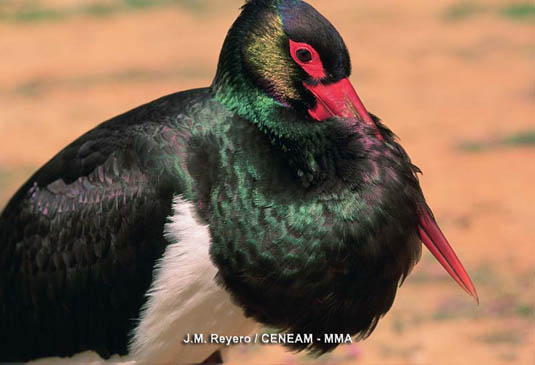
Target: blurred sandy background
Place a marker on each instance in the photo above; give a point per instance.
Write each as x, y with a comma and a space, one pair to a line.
454, 79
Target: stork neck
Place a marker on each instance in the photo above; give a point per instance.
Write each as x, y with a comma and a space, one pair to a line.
233, 85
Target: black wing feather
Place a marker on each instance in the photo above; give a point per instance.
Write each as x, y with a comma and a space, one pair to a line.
79, 240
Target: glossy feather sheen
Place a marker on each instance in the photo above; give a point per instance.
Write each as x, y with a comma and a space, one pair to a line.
334, 238
269, 65
92, 219
312, 225
326, 225
184, 298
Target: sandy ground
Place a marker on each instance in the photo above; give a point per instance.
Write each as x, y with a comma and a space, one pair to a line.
440, 77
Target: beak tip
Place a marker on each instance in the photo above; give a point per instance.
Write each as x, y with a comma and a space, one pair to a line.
473, 294
436, 242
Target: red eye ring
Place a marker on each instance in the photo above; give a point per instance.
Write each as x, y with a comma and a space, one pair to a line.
313, 66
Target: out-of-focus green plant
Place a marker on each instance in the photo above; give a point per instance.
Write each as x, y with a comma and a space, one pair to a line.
31, 11
524, 138
521, 11
463, 10
466, 9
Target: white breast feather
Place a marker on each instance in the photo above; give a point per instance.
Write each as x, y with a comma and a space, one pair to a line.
184, 298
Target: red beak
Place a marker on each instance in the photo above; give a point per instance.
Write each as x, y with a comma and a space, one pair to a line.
436, 242
340, 99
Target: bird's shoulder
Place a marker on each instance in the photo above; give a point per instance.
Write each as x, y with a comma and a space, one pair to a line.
89, 221
128, 142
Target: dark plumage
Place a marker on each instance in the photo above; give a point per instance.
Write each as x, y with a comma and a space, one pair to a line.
351, 272
81, 228
313, 208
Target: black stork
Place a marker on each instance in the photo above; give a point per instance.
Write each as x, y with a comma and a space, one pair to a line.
271, 197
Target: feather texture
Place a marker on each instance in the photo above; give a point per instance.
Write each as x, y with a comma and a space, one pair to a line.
185, 298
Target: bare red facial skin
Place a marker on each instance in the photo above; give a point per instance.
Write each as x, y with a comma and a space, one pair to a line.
335, 99
340, 99
314, 67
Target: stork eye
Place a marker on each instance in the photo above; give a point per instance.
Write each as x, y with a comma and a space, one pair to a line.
303, 55
308, 58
